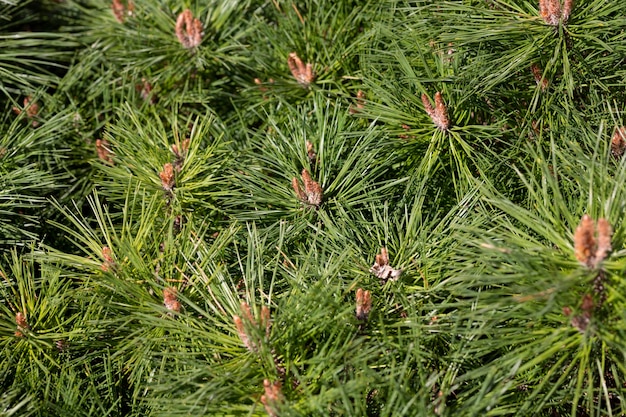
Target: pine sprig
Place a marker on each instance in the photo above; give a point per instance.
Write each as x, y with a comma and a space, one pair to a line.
349, 165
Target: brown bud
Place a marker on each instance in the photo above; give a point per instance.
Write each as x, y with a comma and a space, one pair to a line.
566, 10
247, 312
550, 11
407, 128
167, 177
359, 104
553, 13
580, 322
587, 304
180, 153
103, 148
109, 262
383, 257
539, 79
258, 82
311, 153
363, 304
382, 269
32, 109
295, 184
428, 105
603, 242
272, 398
265, 320
20, 320
312, 194
107, 254
438, 114
145, 91
584, 242
120, 11
241, 330
188, 30
170, 299
618, 142
247, 326
312, 189
22, 324
588, 250
303, 73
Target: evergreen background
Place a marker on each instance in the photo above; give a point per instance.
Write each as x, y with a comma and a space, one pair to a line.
157, 260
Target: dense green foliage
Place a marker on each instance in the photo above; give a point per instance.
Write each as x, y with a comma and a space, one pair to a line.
189, 208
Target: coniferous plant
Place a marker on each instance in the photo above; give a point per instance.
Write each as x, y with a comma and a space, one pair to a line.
312, 208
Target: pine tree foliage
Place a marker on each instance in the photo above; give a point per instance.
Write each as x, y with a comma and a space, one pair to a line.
32, 57
345, 158
360, 208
